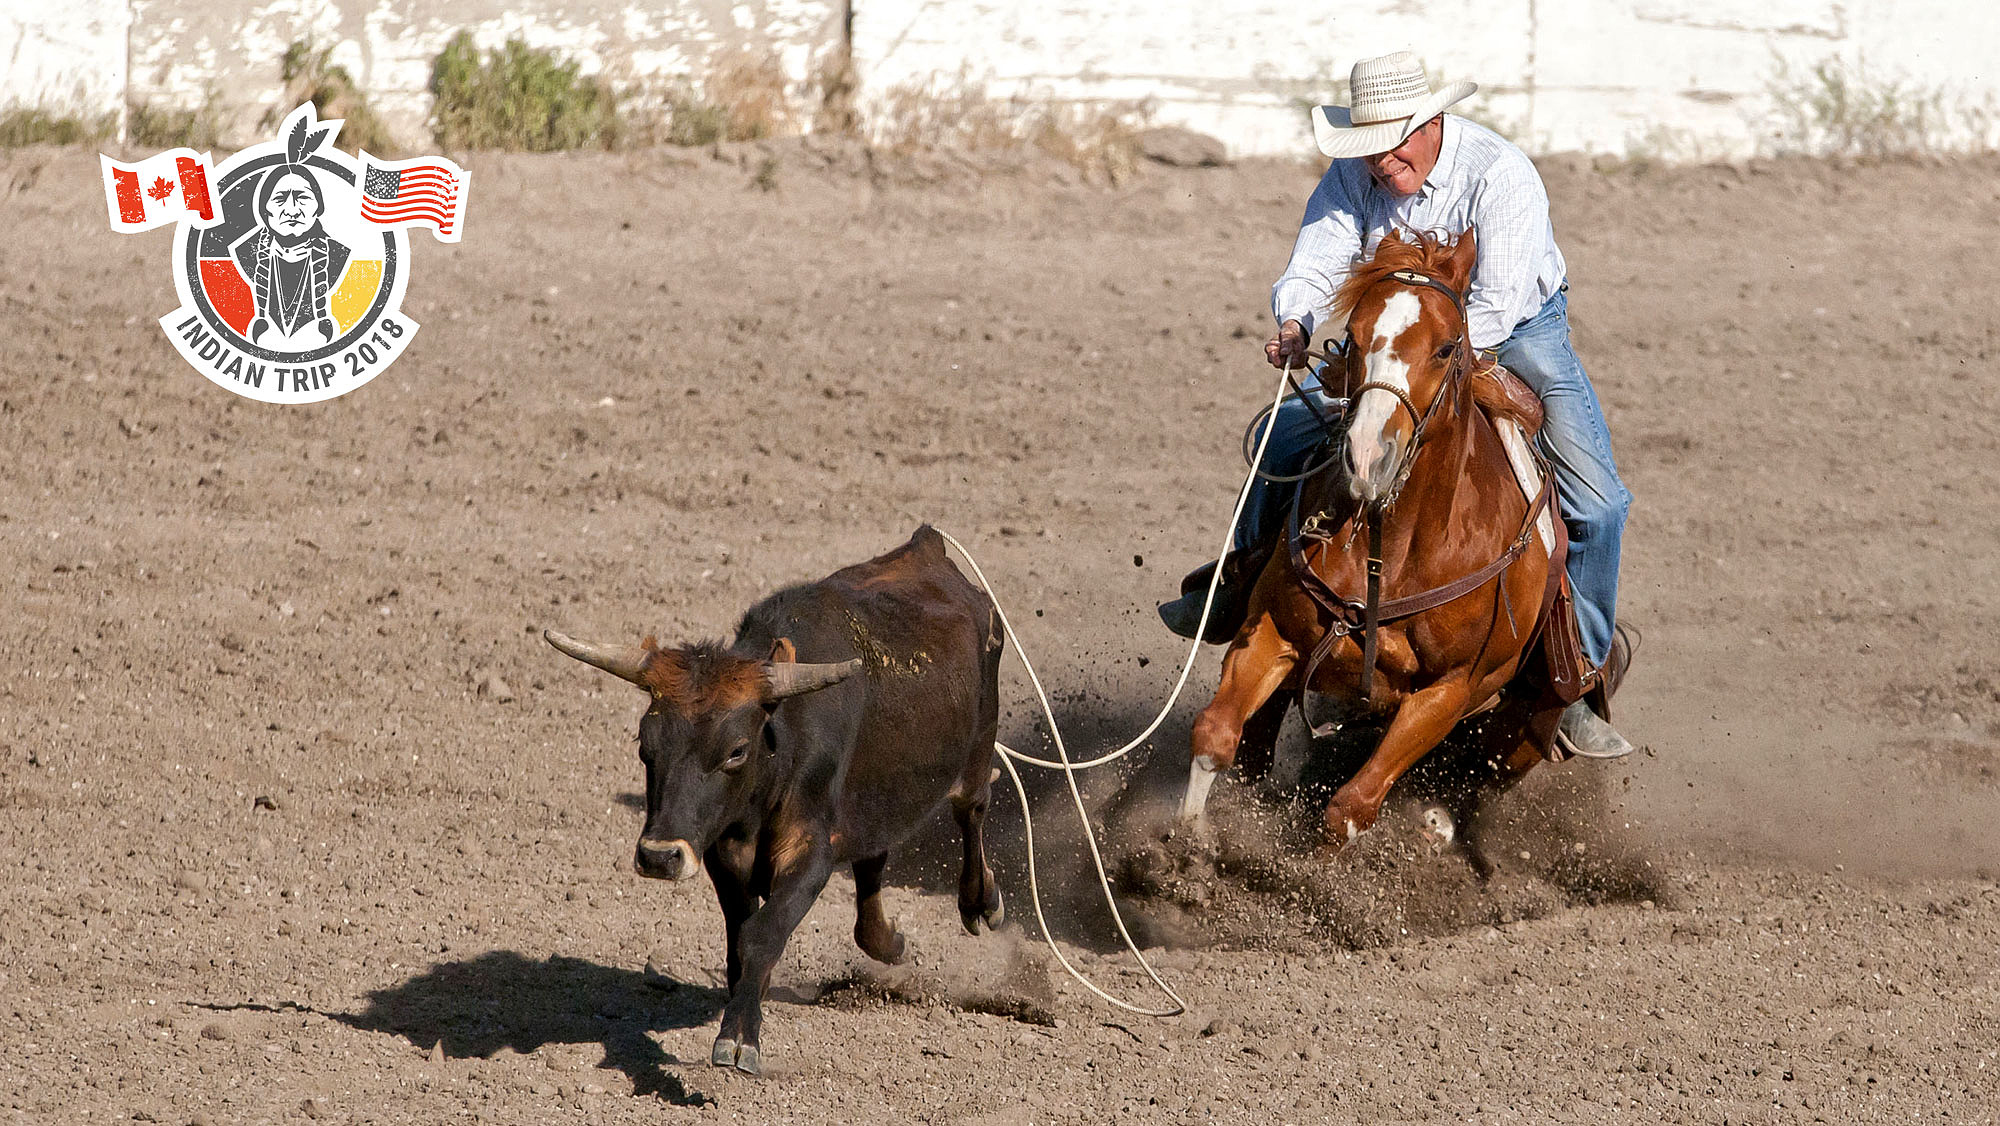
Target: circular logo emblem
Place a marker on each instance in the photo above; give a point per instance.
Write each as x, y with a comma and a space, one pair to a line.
292, 257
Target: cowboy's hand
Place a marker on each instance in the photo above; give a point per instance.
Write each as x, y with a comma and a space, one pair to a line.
1288, 348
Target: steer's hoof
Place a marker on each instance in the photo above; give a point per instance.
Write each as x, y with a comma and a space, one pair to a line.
742, 1057
999, 913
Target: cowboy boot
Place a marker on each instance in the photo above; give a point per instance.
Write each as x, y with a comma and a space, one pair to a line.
1232, 596
1586, 732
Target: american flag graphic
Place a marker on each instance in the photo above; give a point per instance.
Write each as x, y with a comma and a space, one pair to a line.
428, 192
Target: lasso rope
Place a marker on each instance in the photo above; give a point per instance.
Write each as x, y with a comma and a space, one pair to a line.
1009, 756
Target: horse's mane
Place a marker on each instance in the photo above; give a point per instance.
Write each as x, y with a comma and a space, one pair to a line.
1421, 251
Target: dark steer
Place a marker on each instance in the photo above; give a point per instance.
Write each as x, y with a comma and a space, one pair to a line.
844, 714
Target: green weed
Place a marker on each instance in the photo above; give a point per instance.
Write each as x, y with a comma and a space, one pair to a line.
519, 98
37, 126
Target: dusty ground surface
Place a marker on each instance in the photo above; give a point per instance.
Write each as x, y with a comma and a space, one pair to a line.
271, 852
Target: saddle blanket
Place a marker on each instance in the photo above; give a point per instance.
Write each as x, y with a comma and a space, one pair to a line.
1528, 473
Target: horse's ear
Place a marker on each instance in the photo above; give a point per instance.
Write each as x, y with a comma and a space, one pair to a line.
1464, 255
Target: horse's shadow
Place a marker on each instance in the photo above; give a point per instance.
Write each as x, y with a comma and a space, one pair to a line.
502, 999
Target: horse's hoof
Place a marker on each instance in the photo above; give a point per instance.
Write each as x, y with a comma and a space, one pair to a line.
886, 951
1437, 826
976, 918
1339, 832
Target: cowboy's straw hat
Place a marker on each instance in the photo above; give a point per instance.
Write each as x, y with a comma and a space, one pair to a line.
1392, 99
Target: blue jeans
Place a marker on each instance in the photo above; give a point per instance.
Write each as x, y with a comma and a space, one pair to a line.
1574, 437
1297, 437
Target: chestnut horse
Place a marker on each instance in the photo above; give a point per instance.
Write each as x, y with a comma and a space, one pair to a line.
1461, 583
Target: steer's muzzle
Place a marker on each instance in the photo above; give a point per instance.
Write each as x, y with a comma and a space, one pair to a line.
664, 860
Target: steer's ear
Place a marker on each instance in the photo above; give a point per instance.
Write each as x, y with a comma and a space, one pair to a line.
783, 652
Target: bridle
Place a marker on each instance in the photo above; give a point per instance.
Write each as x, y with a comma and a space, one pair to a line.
1345, 616
1455, 377
1455, 382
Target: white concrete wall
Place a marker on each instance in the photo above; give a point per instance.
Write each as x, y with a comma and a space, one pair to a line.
1676, 78
63, 57
1683, 78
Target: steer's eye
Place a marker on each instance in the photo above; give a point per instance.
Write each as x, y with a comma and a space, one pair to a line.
738, 755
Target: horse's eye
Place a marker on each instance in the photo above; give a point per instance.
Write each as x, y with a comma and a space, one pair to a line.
1444, 352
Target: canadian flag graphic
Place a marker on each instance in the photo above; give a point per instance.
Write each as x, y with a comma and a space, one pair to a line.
162, 189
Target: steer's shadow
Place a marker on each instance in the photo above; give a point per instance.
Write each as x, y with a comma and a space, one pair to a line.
504, 1000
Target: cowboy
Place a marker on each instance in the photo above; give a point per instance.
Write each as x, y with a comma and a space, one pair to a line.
1401, 162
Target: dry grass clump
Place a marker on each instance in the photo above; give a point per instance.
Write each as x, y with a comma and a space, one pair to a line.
832, 90
311, 75
1096, 139
163, 127
1837, 108
745, 97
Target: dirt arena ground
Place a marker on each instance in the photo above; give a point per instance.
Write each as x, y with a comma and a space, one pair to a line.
301, 820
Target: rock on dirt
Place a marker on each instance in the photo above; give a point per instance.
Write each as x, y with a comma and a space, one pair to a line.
1182, 148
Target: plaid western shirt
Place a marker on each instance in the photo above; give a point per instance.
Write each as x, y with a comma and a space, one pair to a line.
1481, 181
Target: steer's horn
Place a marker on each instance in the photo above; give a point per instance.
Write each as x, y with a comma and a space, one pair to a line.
783, 679
626, 662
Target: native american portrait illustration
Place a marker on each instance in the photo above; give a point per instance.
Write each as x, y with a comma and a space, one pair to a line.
290, 261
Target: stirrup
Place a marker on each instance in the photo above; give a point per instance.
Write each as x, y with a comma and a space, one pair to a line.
1593, 708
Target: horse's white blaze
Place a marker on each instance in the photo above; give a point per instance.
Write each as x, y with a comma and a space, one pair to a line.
1366, 451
